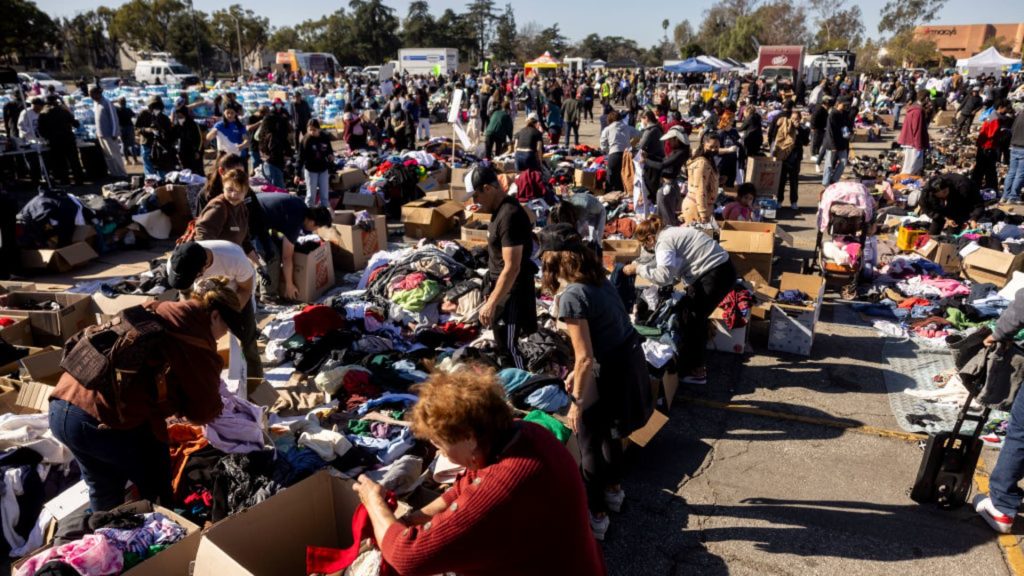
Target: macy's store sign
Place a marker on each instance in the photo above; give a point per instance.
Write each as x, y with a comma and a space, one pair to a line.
940, 31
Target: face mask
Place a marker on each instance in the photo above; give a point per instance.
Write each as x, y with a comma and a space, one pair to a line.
181, 121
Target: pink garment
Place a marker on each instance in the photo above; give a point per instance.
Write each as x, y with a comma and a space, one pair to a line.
737, 212
947, 286
845, 192
853, 249
239, 428
93, 555
408, 282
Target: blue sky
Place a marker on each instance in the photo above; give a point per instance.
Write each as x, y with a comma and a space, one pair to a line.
636, 19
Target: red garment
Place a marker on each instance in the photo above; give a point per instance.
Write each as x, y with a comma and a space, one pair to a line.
357, 382
315, 321
915, 128
184, 440
734, 307
461, 332
5, 322
911, 302
988, 132
329, 560
624, 226
408, 282
530, 186
524, 514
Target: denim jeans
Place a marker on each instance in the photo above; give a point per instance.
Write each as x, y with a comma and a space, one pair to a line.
527, 160
1015, 176
273, 174
835, 164
572, 129
318, 186
110, 458
896, 108
147, 160
1003, 485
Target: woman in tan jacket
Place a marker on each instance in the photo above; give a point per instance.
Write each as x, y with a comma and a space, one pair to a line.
701, 183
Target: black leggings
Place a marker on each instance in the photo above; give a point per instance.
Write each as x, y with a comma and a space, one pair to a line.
704, 296
615, 172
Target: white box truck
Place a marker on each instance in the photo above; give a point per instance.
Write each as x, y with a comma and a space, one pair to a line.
423, 61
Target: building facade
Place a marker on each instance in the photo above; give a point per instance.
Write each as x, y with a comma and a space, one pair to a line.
964, 41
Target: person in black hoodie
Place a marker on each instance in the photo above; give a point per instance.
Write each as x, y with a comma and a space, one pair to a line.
752, 131
274, 146
836, 144
819, 120
57, 125
315, 157
189, 138
968, 108
951, 200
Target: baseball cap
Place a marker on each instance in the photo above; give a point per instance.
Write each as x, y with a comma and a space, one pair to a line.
187, 262
677, 133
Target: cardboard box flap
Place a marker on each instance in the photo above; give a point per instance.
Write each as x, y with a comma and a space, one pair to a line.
811, 284
643, 436
762, 227
43, 367
34, 396
738, 242
77, 254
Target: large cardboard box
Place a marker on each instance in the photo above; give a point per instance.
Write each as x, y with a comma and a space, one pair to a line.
59, 260
107, 307
792, 327
54, 326
313, 273
358, 201
460, 191
765, 174
430, 185
585, 179
942, 253
173, 560
442, 174
346, 179
992, 266
887, 120
943, 118
39, 375
173, 201
475, 227
430, 218
315, 512
8, 286
751, 246
722, 339
619, 251
19, 333
351, 246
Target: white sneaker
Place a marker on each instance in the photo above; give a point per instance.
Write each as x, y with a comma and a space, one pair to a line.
817, 168
983, 506
814, 159
614, 499
599, 526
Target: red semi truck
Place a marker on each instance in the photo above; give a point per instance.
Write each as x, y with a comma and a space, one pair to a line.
781, 63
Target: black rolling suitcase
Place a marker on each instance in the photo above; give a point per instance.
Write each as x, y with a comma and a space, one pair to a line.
950, 458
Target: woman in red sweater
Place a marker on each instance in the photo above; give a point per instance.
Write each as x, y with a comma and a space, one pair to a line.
519, 509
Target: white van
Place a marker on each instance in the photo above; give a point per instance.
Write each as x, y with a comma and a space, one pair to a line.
165, 70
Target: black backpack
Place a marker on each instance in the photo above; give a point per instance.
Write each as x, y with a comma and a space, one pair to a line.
121, 354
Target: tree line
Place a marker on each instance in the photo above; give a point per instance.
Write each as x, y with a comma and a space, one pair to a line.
370, 32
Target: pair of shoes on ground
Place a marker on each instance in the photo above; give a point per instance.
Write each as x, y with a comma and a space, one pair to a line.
614, 500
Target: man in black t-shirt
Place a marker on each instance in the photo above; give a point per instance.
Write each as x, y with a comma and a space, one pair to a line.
286, 218
511, 306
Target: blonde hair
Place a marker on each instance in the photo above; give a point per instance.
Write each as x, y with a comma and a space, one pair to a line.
216, 293
468, 403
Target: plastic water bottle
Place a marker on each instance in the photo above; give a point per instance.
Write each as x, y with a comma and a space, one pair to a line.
768, 208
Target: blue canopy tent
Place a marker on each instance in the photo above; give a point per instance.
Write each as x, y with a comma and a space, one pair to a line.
689, 66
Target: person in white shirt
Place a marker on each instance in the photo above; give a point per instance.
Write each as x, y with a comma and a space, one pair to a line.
28, 122
195, 261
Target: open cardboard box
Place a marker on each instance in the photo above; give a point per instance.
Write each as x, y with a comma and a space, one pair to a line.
173, 201
19, 333
792, 326
39, 374
107, 307
619, 251
722, 339
315, 512
943, 254
765, 174
751, 246
313, 273
346, 179
59, 260
352, 247
991, 266
53, 327
357, 201
173, 560
475, 229
430, 218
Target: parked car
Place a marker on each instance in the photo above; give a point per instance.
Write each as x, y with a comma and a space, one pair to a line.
371, 72
44, 80
113, 82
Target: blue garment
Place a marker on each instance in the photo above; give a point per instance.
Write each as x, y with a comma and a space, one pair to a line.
109, 458
233, 131
388, 398
386, 450
551, 399
1004, 487
1015, 175
273, 174
876, 310
513, 378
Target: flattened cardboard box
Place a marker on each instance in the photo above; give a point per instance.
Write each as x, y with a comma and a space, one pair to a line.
313, 273
315, 512
59, 260
54, 327
352, 247
430, 218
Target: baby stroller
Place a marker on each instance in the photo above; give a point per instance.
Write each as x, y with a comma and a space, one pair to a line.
845, 213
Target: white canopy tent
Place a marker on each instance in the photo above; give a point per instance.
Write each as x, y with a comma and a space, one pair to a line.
718, 65
986, 62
